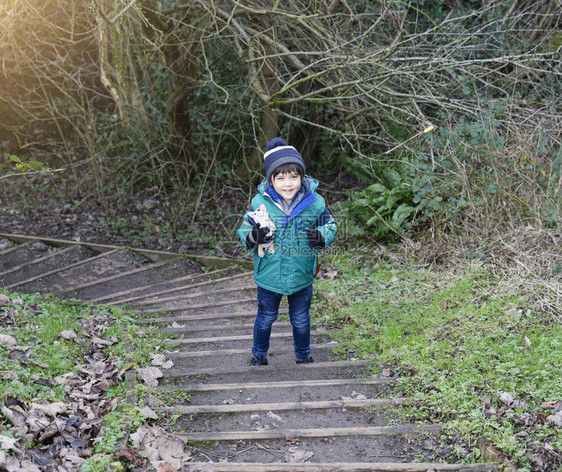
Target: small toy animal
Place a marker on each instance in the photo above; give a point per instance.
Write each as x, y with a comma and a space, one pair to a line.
260, 215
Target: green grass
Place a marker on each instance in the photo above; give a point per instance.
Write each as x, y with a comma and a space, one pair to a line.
36, 321
454, 345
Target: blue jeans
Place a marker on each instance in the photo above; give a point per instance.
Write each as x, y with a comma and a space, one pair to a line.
299, 314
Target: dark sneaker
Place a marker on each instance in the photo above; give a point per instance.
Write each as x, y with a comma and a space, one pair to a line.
305, 360
258, 360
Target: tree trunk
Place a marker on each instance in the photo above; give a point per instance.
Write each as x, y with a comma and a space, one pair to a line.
269, 119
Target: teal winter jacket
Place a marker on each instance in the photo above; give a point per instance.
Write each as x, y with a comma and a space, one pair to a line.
292, 265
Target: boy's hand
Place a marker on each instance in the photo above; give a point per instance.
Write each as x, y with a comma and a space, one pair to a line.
258, 235
315, 238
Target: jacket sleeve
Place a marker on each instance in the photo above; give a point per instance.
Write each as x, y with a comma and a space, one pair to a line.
327, 227
244, 230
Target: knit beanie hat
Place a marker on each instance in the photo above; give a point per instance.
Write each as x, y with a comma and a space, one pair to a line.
277, 153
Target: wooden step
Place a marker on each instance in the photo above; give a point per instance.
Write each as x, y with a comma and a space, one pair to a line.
62, 269
136, 300
336, 467
270, 368
230, 352
310, 433
17, 246
284, 406
200, 306
280, 384
112, 278
241, 337
222, 306
35, 261
224, 327
206, 293
207, 316
144, 288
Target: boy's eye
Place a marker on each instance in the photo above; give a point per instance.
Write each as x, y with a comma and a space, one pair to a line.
282, 177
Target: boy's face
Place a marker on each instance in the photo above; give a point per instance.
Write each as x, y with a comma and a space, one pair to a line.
287, 185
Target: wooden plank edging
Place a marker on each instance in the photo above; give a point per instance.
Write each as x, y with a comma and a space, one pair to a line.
198, 307
270, 367
151, 254
205, 387
14, 248
226, 352
146, 287
241, 337
122, 274
184, 287
336, 467
310, 433
208, 316
62, 269
189, 296
194, 329
283, 406
35, 261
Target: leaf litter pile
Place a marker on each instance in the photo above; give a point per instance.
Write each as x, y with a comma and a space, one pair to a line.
40, 434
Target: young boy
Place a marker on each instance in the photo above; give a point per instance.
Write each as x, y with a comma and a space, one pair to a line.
303, 227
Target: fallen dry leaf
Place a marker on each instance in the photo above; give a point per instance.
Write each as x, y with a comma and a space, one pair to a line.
9, 463
161, 447
555, 420
505, 398
148, 413
386, 373
68, 334
60, 435
7, 340
20, 353
159, 360
149, 375
41, 380
163, 467
8, 375
274, 417
28, 466
99, 342
7, 443
14, 414
298, 454
130, 456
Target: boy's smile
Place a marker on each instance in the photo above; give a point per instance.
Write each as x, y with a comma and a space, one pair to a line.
287, 185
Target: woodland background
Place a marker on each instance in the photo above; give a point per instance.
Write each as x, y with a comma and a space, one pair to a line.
176, 99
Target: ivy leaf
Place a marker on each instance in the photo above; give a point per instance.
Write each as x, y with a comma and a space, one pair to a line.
35, 164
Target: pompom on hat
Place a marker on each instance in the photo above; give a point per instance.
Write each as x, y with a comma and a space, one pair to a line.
277, 153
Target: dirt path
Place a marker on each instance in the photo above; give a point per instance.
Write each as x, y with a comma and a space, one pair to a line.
326, 416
